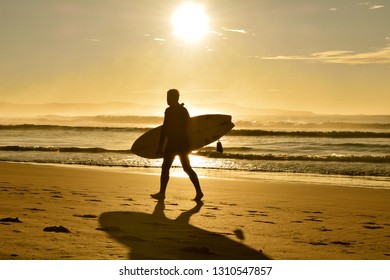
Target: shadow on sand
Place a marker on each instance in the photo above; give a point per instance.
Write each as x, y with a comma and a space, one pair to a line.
154, 236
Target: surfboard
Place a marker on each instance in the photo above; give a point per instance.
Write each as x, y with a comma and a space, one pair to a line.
202, 130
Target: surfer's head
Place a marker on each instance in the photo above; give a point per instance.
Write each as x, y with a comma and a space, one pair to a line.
172, 96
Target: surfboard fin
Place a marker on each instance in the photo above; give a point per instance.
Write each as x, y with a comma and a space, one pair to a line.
219, 147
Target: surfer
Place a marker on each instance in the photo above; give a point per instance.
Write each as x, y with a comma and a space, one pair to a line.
174, 130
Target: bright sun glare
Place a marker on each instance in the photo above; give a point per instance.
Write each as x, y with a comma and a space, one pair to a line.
190, 22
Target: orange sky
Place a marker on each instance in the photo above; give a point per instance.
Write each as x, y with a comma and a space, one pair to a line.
327, 57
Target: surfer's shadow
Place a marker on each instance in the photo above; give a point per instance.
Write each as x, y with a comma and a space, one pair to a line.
154, 236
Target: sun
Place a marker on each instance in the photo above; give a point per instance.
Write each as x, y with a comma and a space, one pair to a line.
190, 22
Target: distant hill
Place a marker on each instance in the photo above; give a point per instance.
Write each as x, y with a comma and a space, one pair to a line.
240, 111
77, 109
133, 109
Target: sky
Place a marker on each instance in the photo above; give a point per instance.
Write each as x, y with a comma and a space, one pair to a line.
327, 57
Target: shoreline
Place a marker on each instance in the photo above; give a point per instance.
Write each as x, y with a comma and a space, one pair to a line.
368, 182
110, 215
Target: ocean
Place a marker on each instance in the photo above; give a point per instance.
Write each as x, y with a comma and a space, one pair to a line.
352, 151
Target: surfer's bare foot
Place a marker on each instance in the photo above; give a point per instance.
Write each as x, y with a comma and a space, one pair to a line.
158, 196
198, 197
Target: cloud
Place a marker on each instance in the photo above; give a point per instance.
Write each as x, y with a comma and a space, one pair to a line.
378, 56
242, 31
95, 40
376, 7
223, 33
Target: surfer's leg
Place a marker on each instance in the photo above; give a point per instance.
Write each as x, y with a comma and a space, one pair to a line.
166, 166
185, 162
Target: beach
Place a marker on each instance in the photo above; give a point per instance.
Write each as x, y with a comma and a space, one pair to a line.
58, 212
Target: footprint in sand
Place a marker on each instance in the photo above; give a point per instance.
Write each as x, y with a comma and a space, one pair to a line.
372, 225
265, 222
94, 200
56, 229
273, 207
322, 243
171, 204
56, 194
10, 220
35, 209
237, 215
313, 219
86, 216
254, 213
324, 229
49, 190
208, 216
312, 212
228, 204
343, 243
5, 188
79, 193
318, 243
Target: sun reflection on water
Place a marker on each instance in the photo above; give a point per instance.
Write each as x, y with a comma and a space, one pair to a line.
196, 162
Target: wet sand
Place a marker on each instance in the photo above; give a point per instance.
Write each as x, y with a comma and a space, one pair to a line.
68, 212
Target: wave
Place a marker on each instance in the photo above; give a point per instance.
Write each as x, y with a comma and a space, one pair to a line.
349, 165
360, 145
328, 134
340, 125
93, 150
233, 153
275, 157
67, 128
234, 132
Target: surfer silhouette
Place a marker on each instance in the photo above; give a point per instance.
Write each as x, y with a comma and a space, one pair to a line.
174, 131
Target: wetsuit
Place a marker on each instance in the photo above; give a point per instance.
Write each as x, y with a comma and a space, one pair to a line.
175, 130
